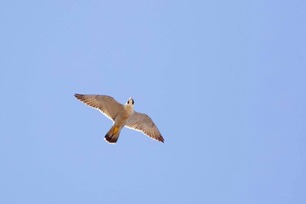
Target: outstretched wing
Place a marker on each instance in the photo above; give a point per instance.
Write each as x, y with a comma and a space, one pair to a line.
143, 123
105, 104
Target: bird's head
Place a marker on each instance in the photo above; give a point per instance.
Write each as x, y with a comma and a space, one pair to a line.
130, 101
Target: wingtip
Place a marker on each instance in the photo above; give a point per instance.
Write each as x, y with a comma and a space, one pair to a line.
161, 139
78, 96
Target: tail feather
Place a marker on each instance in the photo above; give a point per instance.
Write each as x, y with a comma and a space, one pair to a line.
112, 135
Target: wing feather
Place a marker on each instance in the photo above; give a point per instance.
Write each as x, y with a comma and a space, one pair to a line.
143, 123
105, 104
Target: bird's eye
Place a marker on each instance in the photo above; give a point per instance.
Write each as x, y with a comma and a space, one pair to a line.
133, 101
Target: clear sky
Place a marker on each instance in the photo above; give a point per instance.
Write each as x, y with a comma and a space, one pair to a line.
224, 81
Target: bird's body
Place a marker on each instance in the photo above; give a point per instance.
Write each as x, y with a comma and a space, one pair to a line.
119, 122
122, 116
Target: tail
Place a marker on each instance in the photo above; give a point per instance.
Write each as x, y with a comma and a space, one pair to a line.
113, 134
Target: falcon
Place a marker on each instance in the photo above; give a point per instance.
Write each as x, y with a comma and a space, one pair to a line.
122, 116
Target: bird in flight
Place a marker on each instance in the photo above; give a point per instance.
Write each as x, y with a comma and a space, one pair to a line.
122, 116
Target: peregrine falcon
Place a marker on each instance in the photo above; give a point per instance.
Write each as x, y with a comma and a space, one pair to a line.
122, 116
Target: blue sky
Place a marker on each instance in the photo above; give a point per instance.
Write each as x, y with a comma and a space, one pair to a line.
224, 81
